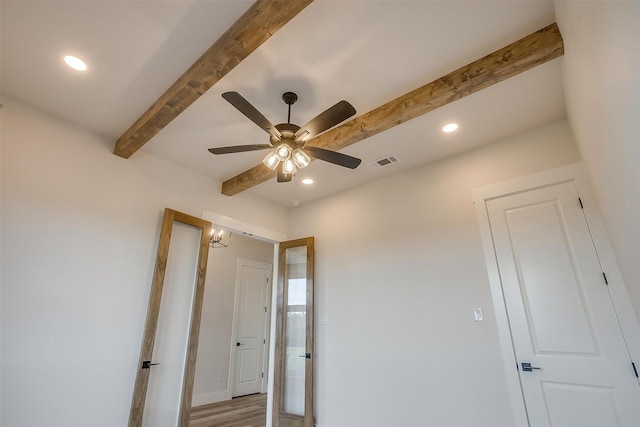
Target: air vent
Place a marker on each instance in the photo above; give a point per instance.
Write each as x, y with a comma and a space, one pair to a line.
385, 161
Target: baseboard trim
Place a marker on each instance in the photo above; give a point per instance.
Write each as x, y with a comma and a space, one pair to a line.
207, 398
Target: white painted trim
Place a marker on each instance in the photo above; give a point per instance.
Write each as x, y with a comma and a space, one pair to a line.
241, 227
272, 337
629, 322
241, 262
232, 350
575, 173
529, 182
502, 320
207, 398
267, 333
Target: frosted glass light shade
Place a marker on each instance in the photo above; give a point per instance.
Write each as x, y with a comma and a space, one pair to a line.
289, 167
301, 158
283, 152
271, 160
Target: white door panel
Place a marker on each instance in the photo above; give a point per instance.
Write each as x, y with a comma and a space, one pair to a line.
580, 405
545, 265
248, 365
560, 312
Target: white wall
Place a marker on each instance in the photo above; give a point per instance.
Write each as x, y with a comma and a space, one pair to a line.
79, 234
399, 269
601, 69
217, 316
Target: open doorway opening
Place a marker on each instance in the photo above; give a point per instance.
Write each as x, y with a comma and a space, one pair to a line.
234, 344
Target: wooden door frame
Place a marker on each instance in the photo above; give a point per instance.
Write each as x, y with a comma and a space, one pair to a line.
265, 357
146, 353
576, 174
279, 359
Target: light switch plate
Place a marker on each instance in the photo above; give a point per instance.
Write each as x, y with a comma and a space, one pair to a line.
477, 313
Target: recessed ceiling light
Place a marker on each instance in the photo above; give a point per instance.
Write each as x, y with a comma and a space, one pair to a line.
75, 63
307, 181
451, 127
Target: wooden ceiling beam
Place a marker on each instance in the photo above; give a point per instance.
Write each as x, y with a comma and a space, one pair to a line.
526, 53
253, 28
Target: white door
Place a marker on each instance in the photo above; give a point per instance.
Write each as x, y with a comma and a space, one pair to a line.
250, 322
560, 312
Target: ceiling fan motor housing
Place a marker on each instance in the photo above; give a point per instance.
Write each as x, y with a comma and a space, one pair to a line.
288, 132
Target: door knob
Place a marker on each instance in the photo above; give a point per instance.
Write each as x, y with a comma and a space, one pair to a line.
526, 367
238, 344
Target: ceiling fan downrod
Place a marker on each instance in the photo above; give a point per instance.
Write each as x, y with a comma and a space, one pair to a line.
289, 98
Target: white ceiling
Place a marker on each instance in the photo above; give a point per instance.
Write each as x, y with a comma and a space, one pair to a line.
366, 52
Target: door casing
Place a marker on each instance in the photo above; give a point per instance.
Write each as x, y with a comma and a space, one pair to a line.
279, 417
146, 352
628, 322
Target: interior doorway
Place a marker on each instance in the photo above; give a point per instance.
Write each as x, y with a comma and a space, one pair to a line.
234, 338
249, 232
561, 306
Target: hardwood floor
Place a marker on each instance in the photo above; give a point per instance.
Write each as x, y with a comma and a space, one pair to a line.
245, 411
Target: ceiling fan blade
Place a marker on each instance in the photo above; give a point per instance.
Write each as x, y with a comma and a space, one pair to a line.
239, 148
283, 177
245, 107
333, 157
325, 120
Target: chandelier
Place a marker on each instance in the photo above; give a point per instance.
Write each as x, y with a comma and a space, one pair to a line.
218, 238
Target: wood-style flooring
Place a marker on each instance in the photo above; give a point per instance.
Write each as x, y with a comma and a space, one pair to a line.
245, 411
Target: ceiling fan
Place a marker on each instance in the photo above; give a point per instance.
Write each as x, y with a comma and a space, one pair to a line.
287, 142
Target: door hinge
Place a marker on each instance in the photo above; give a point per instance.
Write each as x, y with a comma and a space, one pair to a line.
635, 370
264, 341
265, 309
604, 276
263, 375
581, 205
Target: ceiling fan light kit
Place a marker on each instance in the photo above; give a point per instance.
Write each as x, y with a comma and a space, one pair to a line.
288, 152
